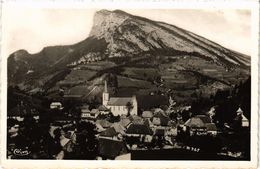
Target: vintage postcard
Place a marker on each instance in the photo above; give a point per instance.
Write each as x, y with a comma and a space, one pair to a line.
140, 84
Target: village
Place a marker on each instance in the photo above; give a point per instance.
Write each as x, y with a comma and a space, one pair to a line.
120, 130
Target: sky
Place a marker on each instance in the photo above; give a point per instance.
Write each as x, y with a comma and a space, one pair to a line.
32, 29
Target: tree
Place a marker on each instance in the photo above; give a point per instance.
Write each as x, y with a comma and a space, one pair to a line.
129, 107
86, 146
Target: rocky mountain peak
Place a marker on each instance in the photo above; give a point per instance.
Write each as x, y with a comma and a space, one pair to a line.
106, 21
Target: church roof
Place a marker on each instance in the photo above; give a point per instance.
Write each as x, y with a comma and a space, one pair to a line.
119, 101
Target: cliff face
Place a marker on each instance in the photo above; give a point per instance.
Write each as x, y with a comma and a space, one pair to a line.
129, 35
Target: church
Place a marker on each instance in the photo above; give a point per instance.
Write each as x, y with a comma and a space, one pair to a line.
119, 105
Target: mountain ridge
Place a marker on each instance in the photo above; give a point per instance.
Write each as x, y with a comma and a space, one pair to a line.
121, 40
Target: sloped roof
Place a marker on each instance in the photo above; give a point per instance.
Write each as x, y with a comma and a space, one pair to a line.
204, 118
211, 127
64, 141
123, 116
102, 108
172, 123
239, 110
85, 111
148, 122
147, 114
56, 104
94, 111
194, 122
118, 128
104, 123
164, 119
99, 127
244, 118
110, 132
139, 129
157, 110
119, 101
125, 122
110, 148
136, 119
159, 114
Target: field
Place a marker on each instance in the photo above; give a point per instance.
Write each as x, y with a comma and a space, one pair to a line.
141, 73
124, 82
77, 77
77, 91
97, 66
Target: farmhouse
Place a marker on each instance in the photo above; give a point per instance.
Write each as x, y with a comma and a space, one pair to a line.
56, 105
201, 125
119, 105
85, 112
245, 121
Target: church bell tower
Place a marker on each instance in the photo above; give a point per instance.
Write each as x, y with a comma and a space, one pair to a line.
105, 96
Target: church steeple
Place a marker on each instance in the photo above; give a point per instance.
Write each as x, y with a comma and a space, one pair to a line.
105, 98
105, 87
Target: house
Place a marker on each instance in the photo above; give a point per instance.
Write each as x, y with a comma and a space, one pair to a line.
171, 132
109, 133
119, 105
110, 149
99, 128
245, 121
104, 123
136, 119
119, 128
103, 109
211, 128
94, 113
160, 119
147, 114
85, 112
56, 105
125, 122
195, 126
124, 157
148, 123
138, 130
200, 125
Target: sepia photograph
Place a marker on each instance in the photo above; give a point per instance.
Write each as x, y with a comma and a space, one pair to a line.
128, 84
